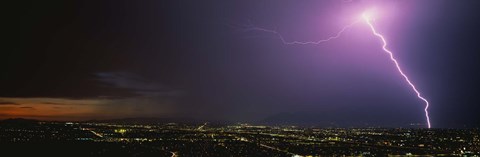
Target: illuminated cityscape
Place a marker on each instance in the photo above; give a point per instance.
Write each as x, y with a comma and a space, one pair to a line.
176, 139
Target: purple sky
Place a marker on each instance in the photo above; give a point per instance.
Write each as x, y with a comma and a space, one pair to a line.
114, 59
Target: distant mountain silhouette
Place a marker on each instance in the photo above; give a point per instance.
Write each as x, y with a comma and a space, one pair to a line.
300, 119
19, 122
325, 120
147, 120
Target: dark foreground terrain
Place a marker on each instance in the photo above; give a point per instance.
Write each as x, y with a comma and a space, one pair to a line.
26, 137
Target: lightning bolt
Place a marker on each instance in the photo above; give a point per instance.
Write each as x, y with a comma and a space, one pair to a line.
384, 47
337, 35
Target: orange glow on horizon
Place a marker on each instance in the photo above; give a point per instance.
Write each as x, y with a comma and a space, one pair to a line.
64, 109
48, 109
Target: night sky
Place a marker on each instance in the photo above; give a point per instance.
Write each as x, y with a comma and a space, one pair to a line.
82, 60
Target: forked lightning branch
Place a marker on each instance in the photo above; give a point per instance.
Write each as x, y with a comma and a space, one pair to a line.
367, 18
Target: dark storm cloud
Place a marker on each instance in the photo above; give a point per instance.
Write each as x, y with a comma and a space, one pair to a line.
27, 107
52, 103
136, 84
128, 81
8, 103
